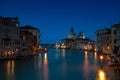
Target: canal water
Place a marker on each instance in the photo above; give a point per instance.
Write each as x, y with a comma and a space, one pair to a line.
58, 64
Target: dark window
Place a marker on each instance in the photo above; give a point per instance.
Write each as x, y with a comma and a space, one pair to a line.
114, 32
114, 41
107, 37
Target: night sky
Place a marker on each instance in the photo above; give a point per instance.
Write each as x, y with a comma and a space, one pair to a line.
55, 17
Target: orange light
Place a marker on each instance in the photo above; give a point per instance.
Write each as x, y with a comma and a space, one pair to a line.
102, 75
45, 49
86, 52
101, 57
95, 49
45, 59
108, 47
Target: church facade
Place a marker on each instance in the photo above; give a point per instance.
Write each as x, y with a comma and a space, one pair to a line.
79, 41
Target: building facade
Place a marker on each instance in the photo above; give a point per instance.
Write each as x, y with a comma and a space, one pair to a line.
79, 42
114, 37
30, 39
9, 37
118, 35
118, 39
103, 40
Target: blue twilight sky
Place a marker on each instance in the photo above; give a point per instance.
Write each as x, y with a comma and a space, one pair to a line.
55, 17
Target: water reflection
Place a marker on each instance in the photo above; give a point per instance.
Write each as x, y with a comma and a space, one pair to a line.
81, 66
10, 70
64, 62
57, 53
86, 64
113, 74
38, 61
101, 75
63, 53
95, 58
45, 66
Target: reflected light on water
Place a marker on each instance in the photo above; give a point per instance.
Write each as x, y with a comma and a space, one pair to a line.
45, 59
10, 69
63, 53
95, 55
101, 75
86, 64
95, 58
45, 67
86, 52
38, 61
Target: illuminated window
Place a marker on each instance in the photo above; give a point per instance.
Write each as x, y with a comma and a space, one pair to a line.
23, 38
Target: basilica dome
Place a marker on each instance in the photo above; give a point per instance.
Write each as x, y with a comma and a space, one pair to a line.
71, 34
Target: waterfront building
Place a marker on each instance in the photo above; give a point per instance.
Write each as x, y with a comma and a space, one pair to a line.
114, 37
83, 43
69, 42
118, 38
103, 40
9, 36
81, 35
118, 35
80, 42
30, 38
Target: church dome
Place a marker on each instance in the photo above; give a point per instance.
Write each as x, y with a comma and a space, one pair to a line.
81, 35
71, 34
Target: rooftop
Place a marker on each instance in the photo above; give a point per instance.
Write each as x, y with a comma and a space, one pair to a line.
28, 27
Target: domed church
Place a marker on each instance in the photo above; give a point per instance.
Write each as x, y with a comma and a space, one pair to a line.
71, 34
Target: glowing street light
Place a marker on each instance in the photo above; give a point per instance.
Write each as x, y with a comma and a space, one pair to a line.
101, 57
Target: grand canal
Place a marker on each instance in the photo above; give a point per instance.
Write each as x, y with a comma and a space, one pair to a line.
58, 64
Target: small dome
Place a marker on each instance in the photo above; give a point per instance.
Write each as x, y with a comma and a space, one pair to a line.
81, 35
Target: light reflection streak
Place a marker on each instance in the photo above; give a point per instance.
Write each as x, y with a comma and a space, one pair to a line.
45, 67
10, 69
86, 64
38, 61
64, 62
57, 53
101, 75
95, 58
63, 53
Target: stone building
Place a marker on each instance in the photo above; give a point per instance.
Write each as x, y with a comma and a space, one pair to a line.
9, 37
30, 39
118, 40
69, 42
118, 35
103, 40
77, 42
